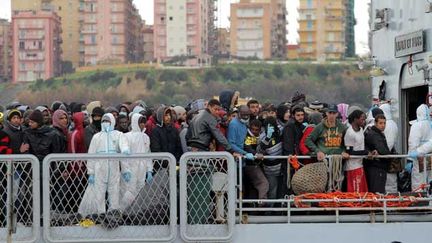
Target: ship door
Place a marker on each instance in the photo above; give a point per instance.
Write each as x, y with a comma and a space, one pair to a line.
411, 99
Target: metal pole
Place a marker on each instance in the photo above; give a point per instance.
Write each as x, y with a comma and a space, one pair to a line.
10, 201
241, 189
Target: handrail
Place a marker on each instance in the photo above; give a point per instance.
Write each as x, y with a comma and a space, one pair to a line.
291, 200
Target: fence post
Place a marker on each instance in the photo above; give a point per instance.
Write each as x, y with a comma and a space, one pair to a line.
10, 200
240, 166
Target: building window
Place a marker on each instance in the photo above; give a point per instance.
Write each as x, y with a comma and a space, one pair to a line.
21, 45
170, 18
93, 39
309, 24
309, 3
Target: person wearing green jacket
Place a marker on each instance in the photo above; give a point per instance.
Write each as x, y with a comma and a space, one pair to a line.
327, 137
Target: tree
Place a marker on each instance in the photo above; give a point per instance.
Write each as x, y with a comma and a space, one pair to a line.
67, 67
278, 72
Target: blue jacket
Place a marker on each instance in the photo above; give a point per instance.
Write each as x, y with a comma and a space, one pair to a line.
237, 132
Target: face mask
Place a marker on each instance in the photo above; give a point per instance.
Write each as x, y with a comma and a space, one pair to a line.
244, 121
97, 124
106, 127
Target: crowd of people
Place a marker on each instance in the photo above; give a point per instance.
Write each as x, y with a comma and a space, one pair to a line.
251, 131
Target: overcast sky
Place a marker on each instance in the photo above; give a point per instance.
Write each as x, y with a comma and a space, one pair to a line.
361, 12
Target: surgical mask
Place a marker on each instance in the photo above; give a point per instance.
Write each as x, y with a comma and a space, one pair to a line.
244, 121
106, 127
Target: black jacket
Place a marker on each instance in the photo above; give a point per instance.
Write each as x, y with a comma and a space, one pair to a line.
42, 141
292, 135
16, 137
62, 139
89, 132
165, 138
375, 140
202, 129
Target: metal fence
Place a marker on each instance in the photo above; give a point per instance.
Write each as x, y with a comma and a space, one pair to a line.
19, 198
281, 210
207, 196
109, 207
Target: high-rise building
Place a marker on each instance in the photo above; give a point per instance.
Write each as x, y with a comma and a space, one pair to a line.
109, 32
275, 14
5, 51
36, 45
251, 30
183, 28
223, 43
69, 12
148, 43
322, 29
349, 31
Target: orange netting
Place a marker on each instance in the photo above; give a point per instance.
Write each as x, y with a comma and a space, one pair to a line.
403, 201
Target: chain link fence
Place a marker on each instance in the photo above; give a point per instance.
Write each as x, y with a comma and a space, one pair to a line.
110, 207
207, 196
19, 198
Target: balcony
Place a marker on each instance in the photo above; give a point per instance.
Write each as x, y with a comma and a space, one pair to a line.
86, 31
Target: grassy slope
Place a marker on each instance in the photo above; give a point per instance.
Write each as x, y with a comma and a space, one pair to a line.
269, 83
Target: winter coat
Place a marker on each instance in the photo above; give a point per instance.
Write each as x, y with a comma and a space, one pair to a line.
328, 140
62, 138
150, 125
236, 135
376, 140
43, 141
292, 135
203, 129
391, 129
15, 135
165, 137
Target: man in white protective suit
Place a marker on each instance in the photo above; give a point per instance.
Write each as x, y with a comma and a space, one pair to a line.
390, 133
141, 169
419, 144
104, 175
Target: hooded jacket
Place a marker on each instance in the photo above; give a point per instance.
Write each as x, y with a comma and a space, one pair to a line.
420, 138
4, 143
138, 140
62, 132
165, 137
237, 132
227, 99
76, 142
326, 139
391, 129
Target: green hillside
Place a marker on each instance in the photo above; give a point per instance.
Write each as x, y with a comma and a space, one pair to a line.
267, 83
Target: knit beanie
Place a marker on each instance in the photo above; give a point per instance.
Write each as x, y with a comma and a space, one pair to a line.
12, 113
37, 117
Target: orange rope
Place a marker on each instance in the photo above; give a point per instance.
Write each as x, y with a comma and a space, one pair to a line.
337, 196
294, 162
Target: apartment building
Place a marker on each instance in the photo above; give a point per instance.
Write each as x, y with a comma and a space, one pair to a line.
322, 29
223, 42
148, 46
5, 51
183, 28
251, 30
110, 32
69, 12
274, 14
36, 45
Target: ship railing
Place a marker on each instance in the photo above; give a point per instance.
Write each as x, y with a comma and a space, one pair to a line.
19, 198
301, 209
